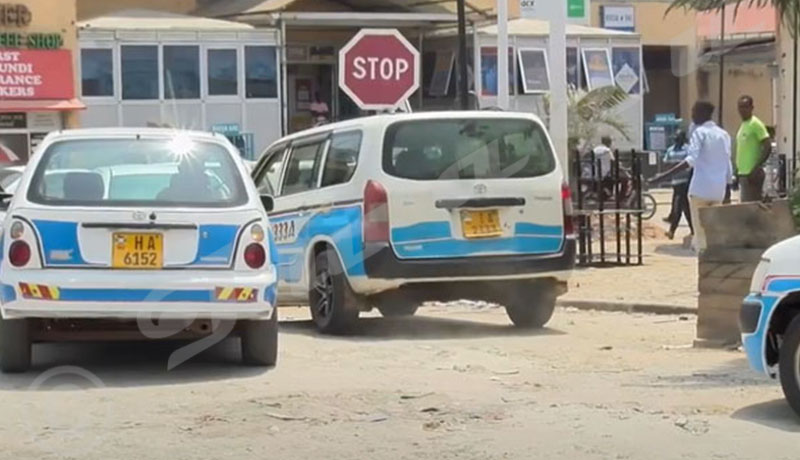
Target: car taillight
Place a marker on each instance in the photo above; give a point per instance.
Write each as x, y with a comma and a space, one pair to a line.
19, 254
376, 213
254, 255
566, 202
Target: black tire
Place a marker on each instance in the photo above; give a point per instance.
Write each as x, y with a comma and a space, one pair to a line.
530, 305
396, 306
789, 364
260, 341
334, 306
15, 345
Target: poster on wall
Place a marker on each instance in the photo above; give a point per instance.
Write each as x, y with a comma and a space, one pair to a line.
573, 68
442, 73
303, 93
13, 148
489, 70
535, 73
626, 64
597, 66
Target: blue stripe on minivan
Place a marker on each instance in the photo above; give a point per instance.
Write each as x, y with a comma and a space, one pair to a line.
421, 231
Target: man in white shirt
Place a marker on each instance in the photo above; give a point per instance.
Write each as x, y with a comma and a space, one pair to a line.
709, 154
605, 156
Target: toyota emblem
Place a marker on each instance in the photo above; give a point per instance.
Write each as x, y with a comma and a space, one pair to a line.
480, 189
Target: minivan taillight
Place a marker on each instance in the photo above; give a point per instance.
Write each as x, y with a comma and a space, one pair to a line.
376, 213
255, 256
566, 202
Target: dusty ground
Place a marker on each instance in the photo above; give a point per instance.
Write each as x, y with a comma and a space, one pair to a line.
456, 383
668, 276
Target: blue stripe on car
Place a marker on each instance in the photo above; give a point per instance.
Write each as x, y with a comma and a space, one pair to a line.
526, 228
421, 231
215, 245
342, 225
753, 344
135, 295
59, 238
7, 293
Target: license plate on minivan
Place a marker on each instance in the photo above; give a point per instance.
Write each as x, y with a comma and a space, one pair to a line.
137, 250
481, 224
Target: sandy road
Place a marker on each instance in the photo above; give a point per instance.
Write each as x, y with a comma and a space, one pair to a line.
455, 383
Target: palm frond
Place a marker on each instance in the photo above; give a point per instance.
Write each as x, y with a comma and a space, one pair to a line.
789, 10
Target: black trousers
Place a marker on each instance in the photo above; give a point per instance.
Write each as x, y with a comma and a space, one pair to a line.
680, 205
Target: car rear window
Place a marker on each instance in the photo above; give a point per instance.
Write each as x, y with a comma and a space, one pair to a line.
168, 172
471, 148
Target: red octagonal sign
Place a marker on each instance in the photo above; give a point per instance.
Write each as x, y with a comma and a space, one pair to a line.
379, 69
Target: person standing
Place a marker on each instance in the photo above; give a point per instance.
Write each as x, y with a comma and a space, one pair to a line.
675, 154
709, 154
753, 147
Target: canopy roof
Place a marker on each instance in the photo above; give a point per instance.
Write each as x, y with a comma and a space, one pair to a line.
139, 19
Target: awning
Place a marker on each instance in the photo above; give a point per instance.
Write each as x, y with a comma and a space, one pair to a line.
41, 105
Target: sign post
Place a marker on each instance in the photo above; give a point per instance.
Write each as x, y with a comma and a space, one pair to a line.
379, 69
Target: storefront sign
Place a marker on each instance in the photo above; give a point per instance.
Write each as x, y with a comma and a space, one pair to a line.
618, 18
15, 15
379, 69
550, 9
44, 121
13, 121
19, 16
36, 74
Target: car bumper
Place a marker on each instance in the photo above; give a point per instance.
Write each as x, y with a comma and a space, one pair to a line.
382, 263
753, 318
184, 294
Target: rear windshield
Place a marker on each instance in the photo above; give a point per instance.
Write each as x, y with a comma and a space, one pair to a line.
176, 172
467, 149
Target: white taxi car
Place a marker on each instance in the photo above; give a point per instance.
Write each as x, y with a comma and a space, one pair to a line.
391, 211
110, 229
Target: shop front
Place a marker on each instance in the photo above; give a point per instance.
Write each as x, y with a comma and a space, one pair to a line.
150, 68
37, 85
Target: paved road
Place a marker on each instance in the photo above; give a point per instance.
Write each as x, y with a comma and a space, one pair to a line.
456, 383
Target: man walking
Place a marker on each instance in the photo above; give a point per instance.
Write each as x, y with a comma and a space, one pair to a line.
709, 154
753, 147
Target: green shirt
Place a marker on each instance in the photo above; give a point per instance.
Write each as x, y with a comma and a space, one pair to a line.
748, 145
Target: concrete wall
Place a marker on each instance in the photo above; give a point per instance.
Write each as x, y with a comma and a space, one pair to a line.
746, 20
755, 80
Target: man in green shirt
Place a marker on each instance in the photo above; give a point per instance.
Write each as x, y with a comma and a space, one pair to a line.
753, 147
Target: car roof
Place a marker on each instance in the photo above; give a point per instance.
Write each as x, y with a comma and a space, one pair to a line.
84, 133
385, 119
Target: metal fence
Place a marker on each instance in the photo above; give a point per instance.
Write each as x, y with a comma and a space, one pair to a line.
610, 209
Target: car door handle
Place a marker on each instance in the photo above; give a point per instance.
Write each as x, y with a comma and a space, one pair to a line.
479, 202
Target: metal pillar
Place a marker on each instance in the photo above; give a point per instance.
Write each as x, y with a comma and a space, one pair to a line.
502, 55
722, 69
463, 80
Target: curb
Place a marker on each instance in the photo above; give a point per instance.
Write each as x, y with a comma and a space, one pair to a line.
627, 307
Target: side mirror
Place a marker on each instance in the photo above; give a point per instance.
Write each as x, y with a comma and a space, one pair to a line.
5, 200
268, 202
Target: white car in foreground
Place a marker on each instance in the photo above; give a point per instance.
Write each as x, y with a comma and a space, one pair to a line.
136, 233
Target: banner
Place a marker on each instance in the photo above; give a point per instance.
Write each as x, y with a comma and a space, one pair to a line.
36, 74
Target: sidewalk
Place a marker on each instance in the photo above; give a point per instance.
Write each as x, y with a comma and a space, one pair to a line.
668, 277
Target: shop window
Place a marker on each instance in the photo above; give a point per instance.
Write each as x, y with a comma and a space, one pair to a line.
181, 72
139, 72
97, 72
222, 73
261, 75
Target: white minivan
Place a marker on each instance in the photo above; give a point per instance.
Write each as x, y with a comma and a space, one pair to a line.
391, 211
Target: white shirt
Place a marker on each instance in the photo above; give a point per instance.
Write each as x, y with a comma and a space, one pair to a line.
710, 156
605, 156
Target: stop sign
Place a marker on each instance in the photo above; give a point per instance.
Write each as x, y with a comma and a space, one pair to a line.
379, 69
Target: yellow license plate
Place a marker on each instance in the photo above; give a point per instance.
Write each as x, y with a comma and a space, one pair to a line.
481, 224
137, 250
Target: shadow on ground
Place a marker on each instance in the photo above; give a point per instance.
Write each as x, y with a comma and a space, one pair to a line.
420, 328
676, 250
772, 414
82, 365
733, 373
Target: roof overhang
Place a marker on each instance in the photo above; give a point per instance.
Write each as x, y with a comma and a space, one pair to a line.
353, 19
41, 105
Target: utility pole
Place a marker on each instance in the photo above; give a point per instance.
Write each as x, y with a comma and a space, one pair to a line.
721, 68
463, 77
